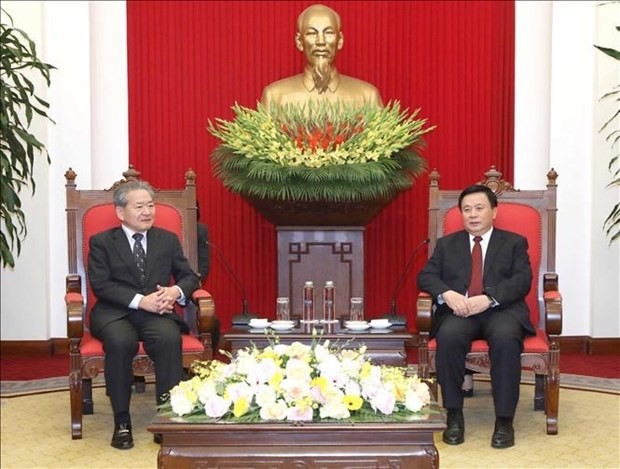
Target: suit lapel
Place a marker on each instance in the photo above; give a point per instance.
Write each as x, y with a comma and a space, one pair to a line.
153, 246
462, 258
119, 240
464, 251
497, 238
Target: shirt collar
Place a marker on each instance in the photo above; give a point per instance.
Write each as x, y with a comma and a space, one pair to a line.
485, 237
308, 82
129, 233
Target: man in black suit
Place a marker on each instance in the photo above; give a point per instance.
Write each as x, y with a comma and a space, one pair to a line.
204, 264
496, 312
129, 269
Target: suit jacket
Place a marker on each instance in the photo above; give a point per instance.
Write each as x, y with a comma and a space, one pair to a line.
114, 276
507, 275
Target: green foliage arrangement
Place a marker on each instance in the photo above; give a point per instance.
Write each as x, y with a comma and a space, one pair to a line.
18, 145
612, 222
319, 152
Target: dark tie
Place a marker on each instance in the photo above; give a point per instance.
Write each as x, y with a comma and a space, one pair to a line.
475, 285
139, 255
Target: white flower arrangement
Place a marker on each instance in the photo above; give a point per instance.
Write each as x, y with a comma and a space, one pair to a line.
295, 383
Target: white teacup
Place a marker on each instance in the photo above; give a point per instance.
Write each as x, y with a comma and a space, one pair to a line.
259, 322
380, 323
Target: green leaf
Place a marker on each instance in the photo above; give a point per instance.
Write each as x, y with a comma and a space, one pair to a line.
18, 146
609, 51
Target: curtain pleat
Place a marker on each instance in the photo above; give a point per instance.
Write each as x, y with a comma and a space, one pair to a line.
190, 61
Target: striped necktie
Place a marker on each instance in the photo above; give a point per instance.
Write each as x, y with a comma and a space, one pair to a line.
139, 255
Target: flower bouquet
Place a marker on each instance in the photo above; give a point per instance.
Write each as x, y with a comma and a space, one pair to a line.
295, 383
320, 153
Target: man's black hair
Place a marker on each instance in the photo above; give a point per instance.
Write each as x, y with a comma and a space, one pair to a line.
479, 188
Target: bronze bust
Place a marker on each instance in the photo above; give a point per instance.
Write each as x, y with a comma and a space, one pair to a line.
319, 37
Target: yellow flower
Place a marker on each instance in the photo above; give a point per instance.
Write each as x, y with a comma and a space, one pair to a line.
276, 380
321, 383
365, 371
268, 353
241, 407
353, 402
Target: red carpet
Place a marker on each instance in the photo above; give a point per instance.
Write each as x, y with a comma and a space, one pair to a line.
20, 368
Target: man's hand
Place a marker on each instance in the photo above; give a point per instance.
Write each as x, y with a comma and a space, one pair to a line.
161, 301
478, 304
463, 306
458, 303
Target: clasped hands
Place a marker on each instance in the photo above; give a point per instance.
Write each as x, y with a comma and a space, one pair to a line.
464, 306
161, 301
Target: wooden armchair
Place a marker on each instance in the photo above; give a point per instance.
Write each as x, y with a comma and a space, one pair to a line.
532, 214
88, 213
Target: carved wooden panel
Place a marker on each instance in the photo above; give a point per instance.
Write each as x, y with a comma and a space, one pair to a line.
320, 254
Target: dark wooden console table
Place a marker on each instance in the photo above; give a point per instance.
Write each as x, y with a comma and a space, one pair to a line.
309, 445
384, 346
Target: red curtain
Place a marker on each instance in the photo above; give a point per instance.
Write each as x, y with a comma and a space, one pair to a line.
189, 61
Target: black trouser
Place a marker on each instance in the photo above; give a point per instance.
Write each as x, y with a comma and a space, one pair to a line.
162, 342
504, 335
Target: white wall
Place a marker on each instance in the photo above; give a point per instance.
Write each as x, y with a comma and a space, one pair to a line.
25, 290
604, 259
86, 42
559, 77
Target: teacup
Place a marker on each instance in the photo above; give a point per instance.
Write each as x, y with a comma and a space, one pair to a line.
380, 323
259, 322
283, 322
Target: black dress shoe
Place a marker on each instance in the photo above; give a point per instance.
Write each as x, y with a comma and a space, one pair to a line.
503, 436
122, 438
468, 392
157, 438
455, 433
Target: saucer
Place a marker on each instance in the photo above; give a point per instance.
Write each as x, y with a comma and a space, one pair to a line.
259, 324
380, 324
282, 325
356, 325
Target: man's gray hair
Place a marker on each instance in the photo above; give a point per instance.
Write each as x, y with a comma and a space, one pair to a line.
120, 193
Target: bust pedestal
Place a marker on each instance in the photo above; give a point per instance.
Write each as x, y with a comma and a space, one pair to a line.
320, 241
320, 254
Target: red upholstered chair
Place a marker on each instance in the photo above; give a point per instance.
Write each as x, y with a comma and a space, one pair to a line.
531, 213
88, 213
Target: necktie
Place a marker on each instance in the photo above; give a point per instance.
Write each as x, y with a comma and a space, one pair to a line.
475, 284
139, 255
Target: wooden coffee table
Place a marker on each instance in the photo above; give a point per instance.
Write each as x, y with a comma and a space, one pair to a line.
384, 346
308, 445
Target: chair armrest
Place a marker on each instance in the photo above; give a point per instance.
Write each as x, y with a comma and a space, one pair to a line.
424, 307
206, 311
75, 317
553, 304
73, 284
74, 301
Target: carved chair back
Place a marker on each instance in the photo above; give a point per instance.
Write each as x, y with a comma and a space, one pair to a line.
530, 213
91, 211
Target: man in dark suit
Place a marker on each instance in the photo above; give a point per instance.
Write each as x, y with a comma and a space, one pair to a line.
129, 269
496, 312
204, 264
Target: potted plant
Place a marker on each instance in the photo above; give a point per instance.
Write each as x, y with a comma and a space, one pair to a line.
612, 222
18, 60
